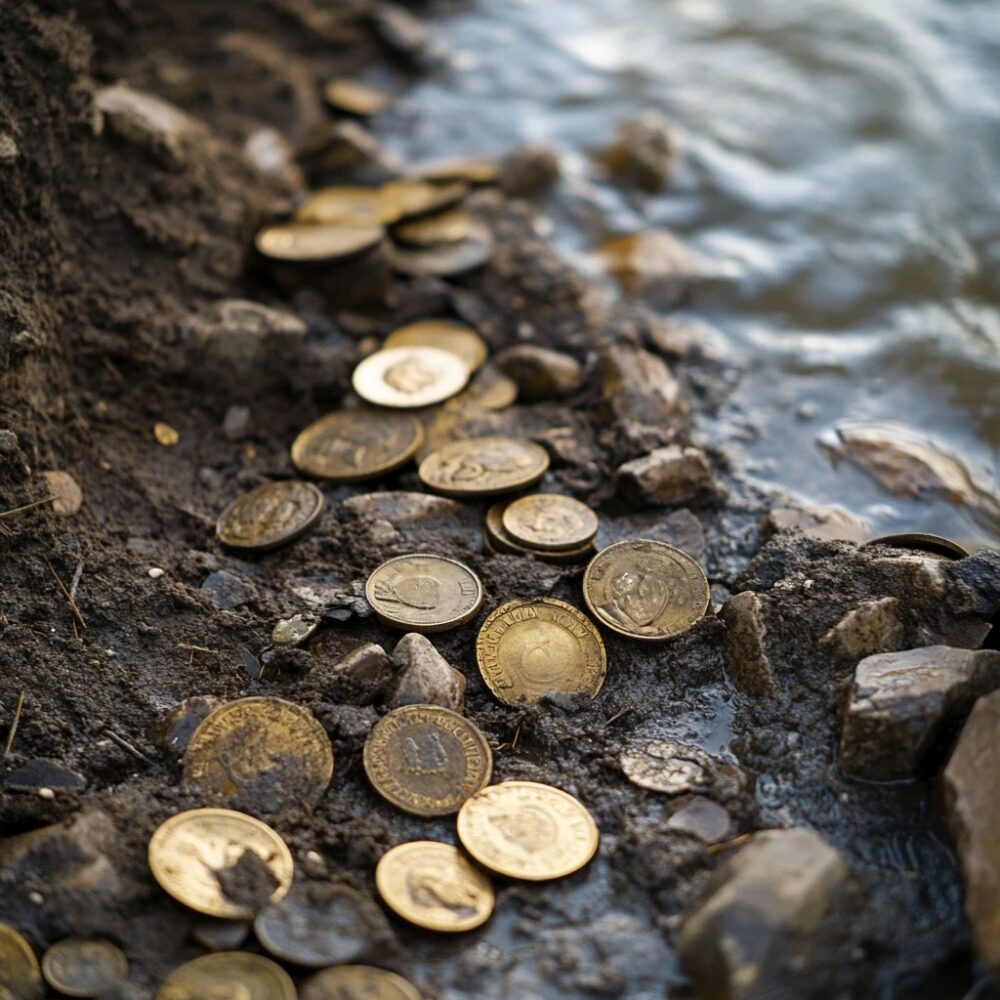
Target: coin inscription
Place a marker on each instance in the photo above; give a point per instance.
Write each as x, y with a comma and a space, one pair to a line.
484, 466
228, 975
79, 967
424, 593
358, 982
550, 521
426, 759
270, 515
19, 972
409, 377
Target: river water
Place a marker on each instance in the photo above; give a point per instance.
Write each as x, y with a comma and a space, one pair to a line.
840, 171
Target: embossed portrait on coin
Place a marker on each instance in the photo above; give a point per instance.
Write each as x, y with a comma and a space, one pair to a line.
491, 462
528, 828
438, 891
422, 592
349, 447
409, 376
265, 513
636, 599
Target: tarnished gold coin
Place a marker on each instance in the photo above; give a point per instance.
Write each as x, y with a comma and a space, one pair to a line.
646, 589
536, 646
199, 856
264, 753
427, 760
485, 466
526, 830
228, 975
424, 593
270, 515
341, 205
932, 546
355, 98
456, 338
409, 377
432, 885
19, 972
322, 242
358, 982
443, 260
447, 227
82, 967
472, 170
499, 540
352, 445
550, 521
403, 200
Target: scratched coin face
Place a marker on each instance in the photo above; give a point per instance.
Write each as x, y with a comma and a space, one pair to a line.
358, 982
427, 760
646, 589
81, 967
456, 338
352, 445
270, 515
433, 886
410, 377
424, 593
19, 972
526, 830
486, 466
550, 521
261, 753
540, 645
228, 975
305, 243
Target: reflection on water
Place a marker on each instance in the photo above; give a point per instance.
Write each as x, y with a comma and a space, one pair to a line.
841, 165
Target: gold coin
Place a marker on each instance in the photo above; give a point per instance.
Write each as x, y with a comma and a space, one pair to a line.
646, 589
491, 390
448, 227
456, 338
550, 521
526, 830
409, 377
191, 853
270, 515
427, 760
358, 982
228, 975
424, 593
472, 170
341, 205
536, 646
485, 466
433, 886
355, 98
499, 540
78, 967
19, 972
442, 260
351, 445
308, 243
403, 200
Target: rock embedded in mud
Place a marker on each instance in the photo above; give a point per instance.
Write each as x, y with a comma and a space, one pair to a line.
701, 818
653, 264
237, 423
424, 676
148, 121
65, 491
541, 374
361, 675
667, 477
755, 933
401, 507
8, 149
643, 153
901, 702
675, 768
747, 661
870, 628
41, 773
295, 630
270, 153
529, 171
225, 590
972, 799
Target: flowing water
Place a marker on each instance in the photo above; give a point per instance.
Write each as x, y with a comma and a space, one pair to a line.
840, 170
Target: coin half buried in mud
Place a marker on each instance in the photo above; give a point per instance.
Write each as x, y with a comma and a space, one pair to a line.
427, 760
270, 515
80, 967
550, 521
201, 858
934, 546
358, 982
352, 445
318, 243
536, 646
424, 593
232, 975
456, 338
410, 377
264, 753
646, 589
433, 886
485, 466
526, 830
19, 972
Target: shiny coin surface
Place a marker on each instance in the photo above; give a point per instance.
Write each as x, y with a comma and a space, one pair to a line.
198, 857
472, 170
352, 445
355, 98
936, 546
19, 972
427, 760
228, 975
81, 967
403, 200
445, 259
646, 589
526, 830
306, 242
480, 467
433, 886
456, 338
499, 540
358, 982
540, 645
550, 521
424, 593
409, 377
270, 515
447, 227
341, 205
261, 752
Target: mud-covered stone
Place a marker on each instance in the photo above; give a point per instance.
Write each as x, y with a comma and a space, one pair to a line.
360, 677
667, 477
529, 171
400, 507
643, 152
225, 590
541, 374
424, 676
41, 773
67, 497
747, 660
237, 423
702, 818
870, 628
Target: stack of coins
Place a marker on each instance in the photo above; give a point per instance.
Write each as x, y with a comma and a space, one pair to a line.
548, 526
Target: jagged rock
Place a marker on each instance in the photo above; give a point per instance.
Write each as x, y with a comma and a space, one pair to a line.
901, 701
701, 818
980, 574
751, 937
174, 731
424, 676
529, 172
667, 477
653, 264
972, 799
225, 590
643, 152
42, 773
358, 678
872, 627
747, 661
541, 374
66, 493
816, 522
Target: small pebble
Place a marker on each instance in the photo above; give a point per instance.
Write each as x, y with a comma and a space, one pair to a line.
155, 572
46, 793
165, 434
36, 897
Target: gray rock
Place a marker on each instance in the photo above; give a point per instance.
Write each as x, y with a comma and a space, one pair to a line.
225, 590
763, 917
972, 800
872, 627
541, 374
701, 818
747, 662
272, 155
667, 477
654, 265
43, 773
358, 678
424, 676
529, 171
149, 121
901, 701
238, 423
643, 152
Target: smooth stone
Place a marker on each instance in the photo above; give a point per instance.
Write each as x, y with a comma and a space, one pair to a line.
237, 423
643, 153
225, 590
540, 374
424, 676
359, 677
529, 171
68, 497
701, 818
43, 773
667, 477
870, 628
747, 662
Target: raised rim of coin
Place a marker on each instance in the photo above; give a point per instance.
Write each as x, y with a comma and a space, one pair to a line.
514, 864
340, 204
253, 967
430, 469
322, 985
922, 541
471, 169
447, 335
399, 620
389, 724
30, 971
516, 514
605, 618
438, 375
226, 536
117, 965
305, 243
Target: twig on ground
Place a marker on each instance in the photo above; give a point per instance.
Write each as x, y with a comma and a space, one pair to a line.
197, 649
76, 579
67, 595
727, 844
617, 716
125, 745
24, 507
14, 725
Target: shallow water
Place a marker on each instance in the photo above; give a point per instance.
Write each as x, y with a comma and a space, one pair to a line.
840, 169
